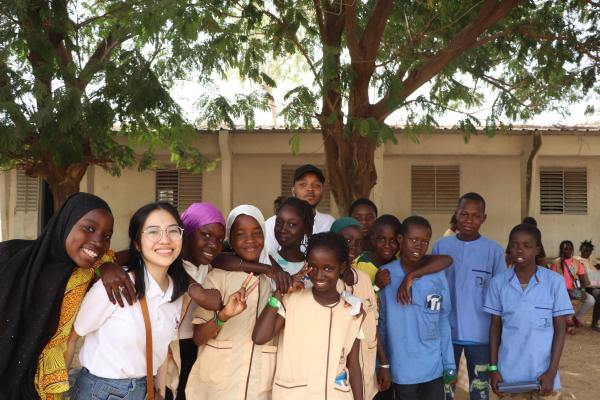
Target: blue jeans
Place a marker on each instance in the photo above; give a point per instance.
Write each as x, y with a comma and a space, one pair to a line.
89, 386
478, 359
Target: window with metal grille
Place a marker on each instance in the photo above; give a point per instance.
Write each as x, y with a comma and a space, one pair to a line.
434, 188
178, 187
28, 192
287, 181
563, 191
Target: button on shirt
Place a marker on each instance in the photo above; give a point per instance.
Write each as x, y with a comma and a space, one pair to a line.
527, 326
416, 336
475, 263
322, 223
114, 346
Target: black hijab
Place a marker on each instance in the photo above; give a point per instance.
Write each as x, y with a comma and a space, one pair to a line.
33, 278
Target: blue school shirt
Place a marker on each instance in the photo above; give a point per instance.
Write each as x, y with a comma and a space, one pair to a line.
416, 336
475, 263
527, 327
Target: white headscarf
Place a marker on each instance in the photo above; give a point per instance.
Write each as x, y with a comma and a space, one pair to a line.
251, 211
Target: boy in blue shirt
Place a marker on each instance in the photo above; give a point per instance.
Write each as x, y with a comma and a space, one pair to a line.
476, 260
529, 305
417, 336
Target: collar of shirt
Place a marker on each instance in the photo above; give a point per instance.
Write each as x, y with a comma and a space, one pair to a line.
153, 289
198, 273
513, 280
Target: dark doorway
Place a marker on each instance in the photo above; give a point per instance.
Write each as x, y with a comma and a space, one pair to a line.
47, 205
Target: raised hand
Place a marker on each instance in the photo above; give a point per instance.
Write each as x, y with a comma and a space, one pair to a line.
283, 280
382, 278
236, 303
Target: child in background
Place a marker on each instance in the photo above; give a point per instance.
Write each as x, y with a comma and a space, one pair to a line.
476, 260
365, 212
293, 225
358, 283
528, 305
318, 355
417, 336
592, 270
229, 365
576, 279
452, 229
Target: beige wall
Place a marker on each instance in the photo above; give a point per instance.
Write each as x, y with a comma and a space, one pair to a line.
493, 167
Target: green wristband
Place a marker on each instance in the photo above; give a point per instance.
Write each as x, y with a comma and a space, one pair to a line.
274, 302
98, 273
218, 321
492, 368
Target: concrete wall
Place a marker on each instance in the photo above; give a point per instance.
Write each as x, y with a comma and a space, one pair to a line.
249, 165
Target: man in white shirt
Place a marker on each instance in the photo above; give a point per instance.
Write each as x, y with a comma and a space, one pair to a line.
308, 186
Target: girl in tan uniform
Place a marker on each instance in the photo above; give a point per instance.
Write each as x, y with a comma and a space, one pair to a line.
318, 354
229, 365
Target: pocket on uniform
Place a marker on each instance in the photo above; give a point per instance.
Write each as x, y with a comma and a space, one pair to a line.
431, 326
542, 316
480, 277
214, 361
267, 367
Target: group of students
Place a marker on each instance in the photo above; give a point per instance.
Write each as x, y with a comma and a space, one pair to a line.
300, 306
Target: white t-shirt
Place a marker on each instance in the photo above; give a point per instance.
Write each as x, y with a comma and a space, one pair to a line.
114, 346
322, 223
186, 330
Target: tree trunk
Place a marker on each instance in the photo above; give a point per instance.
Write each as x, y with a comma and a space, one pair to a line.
63, 180
350, 165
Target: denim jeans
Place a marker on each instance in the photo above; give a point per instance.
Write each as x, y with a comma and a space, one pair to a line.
478, 359
89, 386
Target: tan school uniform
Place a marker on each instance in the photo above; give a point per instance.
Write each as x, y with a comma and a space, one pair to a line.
363, 289
313, 348
231, 366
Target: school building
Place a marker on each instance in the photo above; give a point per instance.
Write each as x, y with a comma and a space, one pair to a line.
547, 173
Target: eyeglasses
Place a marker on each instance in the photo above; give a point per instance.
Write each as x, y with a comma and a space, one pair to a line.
155, 234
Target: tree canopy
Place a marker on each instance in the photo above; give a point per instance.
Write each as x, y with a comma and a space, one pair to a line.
83, 82
423, 57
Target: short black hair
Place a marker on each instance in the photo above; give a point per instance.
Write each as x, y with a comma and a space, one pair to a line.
362, 202
387, 220
527, 228
415, 220
586, 244
530, 221
305, 211
472, 196
136, 261
332, 241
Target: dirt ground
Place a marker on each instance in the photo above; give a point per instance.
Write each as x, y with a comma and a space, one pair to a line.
579, 365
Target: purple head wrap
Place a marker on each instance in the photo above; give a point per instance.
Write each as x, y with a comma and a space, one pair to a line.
198, 215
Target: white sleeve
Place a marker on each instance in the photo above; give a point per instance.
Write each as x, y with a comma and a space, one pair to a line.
94, 311
271, 243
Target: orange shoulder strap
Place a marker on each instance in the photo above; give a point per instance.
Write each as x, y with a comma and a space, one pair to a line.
149, 369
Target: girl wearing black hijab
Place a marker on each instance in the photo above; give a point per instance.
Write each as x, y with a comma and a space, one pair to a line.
42, 283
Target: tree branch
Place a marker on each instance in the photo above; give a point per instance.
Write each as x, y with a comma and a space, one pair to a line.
350, 23
319, 15
491, 12
371, 39
103, 51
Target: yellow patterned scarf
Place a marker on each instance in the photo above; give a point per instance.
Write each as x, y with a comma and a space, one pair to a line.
52, 377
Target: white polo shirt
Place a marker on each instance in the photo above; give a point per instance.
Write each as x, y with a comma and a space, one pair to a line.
322, 223
115, 338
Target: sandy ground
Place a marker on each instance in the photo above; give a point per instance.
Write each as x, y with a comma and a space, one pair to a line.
579, 366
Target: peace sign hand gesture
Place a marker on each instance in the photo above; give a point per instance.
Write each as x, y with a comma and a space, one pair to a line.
236, 303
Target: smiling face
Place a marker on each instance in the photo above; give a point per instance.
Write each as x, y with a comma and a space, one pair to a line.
385, 244
309, 188
89, 238
160, 253
324, 269
366, 216
470, 215
353, 236
205, 244
289, 227
247, 238
523, 248
414, 243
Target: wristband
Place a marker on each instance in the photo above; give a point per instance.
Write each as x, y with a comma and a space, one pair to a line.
492, 368
218, 322
274, 302
98, 273
386, 366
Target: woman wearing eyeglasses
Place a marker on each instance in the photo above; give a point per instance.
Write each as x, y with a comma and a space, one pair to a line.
113, 355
